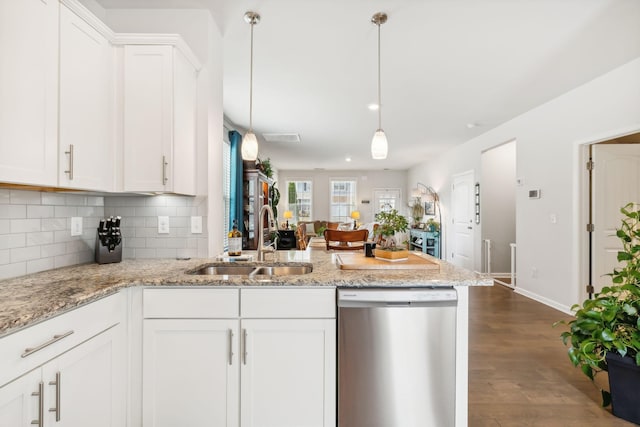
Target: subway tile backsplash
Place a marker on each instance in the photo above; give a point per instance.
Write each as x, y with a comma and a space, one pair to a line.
140, 225
35, 228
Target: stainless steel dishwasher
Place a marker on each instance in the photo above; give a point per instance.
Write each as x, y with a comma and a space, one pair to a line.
396, 357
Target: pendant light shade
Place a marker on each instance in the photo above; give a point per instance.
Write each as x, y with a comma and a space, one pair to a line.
249, 148
379, 146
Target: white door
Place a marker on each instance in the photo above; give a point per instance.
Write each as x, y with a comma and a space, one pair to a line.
18, 405
288, 373
190, 372
615, 183
85, 106
91, 389
29, 92
462, 214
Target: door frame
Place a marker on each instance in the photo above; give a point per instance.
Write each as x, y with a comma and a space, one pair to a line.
581, 194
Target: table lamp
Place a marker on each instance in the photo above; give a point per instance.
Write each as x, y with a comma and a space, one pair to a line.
287, 215
356, 216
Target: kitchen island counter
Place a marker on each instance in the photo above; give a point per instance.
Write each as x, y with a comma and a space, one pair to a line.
36, 297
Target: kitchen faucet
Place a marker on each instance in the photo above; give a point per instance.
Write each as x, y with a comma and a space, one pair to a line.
262, 249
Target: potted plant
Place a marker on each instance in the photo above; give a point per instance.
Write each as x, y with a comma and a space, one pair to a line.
390, 223
605, 334
433, 225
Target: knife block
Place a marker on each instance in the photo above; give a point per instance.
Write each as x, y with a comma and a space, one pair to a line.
103, 256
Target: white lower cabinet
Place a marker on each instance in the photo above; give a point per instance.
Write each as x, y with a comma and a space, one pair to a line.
288, 372
82, 387
190, 374
273, 366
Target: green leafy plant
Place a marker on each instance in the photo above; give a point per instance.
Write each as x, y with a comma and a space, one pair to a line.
390, 223
265, 167
433, 225
611, 320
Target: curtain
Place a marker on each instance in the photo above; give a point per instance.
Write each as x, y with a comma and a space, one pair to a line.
236, 180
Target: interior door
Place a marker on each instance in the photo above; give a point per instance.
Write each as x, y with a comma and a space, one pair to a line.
615, 183
462, 213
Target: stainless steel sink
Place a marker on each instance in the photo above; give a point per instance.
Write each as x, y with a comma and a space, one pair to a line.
226, 270
258, 271
282, 270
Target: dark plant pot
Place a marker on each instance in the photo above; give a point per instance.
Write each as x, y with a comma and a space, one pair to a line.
624, 383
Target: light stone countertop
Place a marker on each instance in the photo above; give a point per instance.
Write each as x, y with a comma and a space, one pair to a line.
29, 299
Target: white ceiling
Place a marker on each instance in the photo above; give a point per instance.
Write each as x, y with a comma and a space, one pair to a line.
445, 63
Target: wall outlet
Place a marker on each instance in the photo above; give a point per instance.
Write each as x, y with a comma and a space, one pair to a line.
196, 225
534, 273
163, 225
553, 218
76, 226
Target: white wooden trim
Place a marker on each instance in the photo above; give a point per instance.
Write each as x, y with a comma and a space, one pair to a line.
79, 9
174, 40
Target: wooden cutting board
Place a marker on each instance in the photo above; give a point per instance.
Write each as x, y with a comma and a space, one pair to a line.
357, 261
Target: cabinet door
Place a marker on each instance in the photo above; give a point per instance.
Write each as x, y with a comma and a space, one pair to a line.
86, 386
190, 372
29, 91
18, 405
288, 372
148, 117
85, 106
184, 136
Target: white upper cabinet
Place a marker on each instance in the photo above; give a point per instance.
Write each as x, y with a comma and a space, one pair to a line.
29, 91
159, 97
85, 155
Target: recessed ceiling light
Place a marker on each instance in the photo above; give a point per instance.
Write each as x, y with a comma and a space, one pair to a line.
472, 125
347, 159
373, 107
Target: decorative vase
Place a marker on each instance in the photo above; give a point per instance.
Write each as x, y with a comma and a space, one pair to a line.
624, 383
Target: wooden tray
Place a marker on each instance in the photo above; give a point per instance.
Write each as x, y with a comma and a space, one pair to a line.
357, 261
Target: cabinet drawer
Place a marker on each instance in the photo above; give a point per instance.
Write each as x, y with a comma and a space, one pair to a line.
31, 347
189, 303
288, 303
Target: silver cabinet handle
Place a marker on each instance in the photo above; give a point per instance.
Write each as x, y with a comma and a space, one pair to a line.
164, 170
57, 384
230, 347
40, 393
56, 338
244, 346
70, 153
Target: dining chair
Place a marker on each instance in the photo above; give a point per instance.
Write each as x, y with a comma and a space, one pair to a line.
345, 240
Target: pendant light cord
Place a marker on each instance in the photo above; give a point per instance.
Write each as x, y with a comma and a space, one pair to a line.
251, 83
379, 90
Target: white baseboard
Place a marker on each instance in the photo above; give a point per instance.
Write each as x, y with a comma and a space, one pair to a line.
546, 301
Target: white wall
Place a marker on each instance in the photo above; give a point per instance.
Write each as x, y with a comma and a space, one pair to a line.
549, 138
498, 204
367, 181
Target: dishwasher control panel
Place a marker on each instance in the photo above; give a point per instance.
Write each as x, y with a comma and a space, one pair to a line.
396, 295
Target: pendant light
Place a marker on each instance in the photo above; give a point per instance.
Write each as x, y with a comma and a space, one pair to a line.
379, 146
250, 142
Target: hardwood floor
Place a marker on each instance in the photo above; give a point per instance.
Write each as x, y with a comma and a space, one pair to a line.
519, 371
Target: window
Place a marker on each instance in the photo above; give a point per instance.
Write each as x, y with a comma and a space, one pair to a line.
299, 200
386, 200
226, 191
343, 199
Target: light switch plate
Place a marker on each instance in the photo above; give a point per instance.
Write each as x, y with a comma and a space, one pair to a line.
76, 226
196, 225
163, 225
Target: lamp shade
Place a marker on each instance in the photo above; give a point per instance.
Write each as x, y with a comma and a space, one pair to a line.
379, 145
250, 146
355, 215
287, 214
